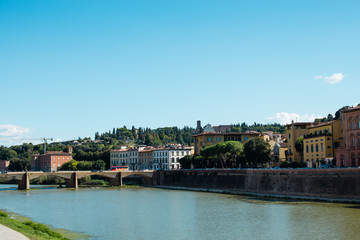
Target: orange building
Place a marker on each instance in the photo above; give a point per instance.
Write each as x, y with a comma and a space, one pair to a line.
50, 161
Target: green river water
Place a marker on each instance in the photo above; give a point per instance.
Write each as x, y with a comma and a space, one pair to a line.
148, 213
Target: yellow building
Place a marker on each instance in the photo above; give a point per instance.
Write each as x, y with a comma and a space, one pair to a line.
145, 158
321, 141
211, 138
293, 132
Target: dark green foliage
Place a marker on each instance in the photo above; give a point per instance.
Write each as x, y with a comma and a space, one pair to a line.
3, 214
186, 162
19, 165
243, 127
223, 155
257, 151
69, 166
147, 136
337, 113
74, 165
99, 165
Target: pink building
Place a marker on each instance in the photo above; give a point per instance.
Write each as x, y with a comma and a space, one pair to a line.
349, 153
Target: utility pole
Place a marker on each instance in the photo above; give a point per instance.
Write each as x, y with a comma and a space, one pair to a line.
45, 142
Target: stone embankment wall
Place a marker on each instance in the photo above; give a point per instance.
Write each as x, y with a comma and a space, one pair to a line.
322, 184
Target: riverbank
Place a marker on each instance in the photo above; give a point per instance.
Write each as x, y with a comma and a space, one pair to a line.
260, 195
28, 228
331, 185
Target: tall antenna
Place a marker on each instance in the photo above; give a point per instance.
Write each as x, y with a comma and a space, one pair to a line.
45, 142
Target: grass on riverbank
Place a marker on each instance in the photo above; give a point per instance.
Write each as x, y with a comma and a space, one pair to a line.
30, 229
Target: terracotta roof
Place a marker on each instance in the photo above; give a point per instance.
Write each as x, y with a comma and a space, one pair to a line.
144, 151
231, 133
352, 109
300, 123
56, 152
324, 124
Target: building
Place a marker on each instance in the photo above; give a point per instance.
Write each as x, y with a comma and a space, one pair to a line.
146, 158
4, 164
211, 138
50, 161
293, 132
141, 158
320, 143
348, 155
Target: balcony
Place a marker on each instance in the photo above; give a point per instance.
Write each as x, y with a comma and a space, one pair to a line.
312, 135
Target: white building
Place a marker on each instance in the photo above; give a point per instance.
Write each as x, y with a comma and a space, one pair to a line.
166, 158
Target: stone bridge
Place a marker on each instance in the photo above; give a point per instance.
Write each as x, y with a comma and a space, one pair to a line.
71, 177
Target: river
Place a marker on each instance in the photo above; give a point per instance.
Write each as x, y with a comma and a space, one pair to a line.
149, 213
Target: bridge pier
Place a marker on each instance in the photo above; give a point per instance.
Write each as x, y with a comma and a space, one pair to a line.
117, 181
158, 178
73, 181
24, 183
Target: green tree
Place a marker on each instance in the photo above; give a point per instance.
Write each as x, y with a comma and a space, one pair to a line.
84, 165
70, 166
99, 165
222, 155
186, 162
257, 151
19, 165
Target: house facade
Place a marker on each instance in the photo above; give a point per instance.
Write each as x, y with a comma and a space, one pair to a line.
348, 155
142, 158
320, 143
50, 161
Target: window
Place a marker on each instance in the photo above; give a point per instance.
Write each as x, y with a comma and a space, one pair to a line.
316, 148
312, 148
352, 142
209, 139
322, 147
358, 124
246, 138
307, 148
219, 138
358, 141
352, 125
289, 136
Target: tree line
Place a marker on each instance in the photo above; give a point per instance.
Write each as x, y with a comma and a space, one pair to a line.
84, 149
232, 154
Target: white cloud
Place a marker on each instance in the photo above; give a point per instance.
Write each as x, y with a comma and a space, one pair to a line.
13, 131
286, 118
13, 135
333, 79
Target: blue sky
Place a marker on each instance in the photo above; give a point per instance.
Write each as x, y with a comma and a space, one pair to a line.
71, 68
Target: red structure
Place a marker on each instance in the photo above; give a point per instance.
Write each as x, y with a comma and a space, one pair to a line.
50, 161
349, 153
4, 165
